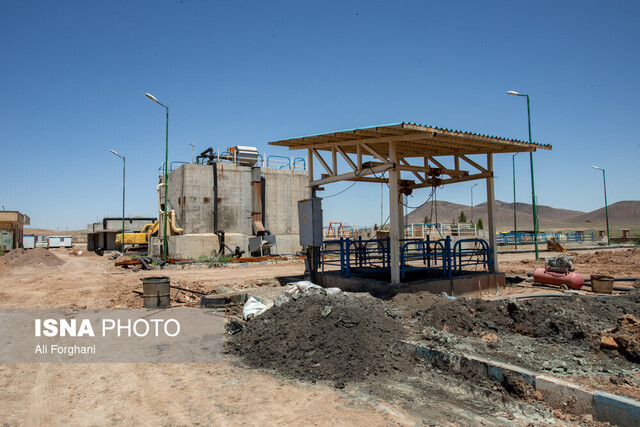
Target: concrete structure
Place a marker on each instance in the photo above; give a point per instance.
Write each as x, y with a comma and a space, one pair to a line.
13, 222
102, 235
242, 192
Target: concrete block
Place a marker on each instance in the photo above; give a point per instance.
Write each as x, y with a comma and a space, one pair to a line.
564, 395
615, 409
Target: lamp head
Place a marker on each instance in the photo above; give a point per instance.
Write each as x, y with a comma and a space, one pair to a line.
513, 92
595, 167
151, 97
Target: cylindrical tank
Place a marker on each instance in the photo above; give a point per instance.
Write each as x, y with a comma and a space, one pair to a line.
572, 280
155, 292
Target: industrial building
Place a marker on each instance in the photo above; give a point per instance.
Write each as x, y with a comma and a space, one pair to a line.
12, 229
102, 235
234, 201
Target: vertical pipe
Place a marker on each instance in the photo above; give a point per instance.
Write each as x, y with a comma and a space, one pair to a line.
124, 165
515, 223
166, 188
533, 188
606, 207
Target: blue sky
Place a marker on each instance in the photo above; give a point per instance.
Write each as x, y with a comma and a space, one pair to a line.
73, 77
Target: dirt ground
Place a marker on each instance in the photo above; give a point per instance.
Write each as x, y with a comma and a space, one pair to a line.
229, 392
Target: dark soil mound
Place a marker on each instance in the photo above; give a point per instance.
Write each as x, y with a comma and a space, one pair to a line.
339, 338
551, 319
38, 257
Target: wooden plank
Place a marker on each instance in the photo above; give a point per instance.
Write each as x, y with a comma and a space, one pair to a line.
375, 153
453, 180
472, 163
322, 162
351, 175
394, 212
346, 158
493, 242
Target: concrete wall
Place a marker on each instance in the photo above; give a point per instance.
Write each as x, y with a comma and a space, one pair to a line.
191, 195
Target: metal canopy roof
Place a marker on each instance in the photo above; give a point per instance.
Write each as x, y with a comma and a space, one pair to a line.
412, 140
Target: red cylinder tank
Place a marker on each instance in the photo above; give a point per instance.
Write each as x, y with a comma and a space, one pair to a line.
572, 280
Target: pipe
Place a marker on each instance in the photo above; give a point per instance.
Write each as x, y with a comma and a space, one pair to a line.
215, 196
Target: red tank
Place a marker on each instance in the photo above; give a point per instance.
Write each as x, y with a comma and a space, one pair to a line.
572, 280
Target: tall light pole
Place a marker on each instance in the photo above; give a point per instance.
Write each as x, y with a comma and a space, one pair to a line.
124, 165
533, 188
472, 200
166, 182
515, 222
606, 207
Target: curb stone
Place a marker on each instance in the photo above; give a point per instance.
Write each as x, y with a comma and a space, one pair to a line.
559, 394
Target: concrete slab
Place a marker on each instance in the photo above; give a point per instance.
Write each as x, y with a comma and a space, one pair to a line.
563, 395
467, 286
615, 409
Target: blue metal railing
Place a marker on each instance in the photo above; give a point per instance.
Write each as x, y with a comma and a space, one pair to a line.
415, 255
432, 253
279, 161
471, 252
527, 238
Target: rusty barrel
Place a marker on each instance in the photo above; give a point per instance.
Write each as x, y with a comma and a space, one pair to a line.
155, 291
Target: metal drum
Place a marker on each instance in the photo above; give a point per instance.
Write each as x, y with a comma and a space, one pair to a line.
155, 291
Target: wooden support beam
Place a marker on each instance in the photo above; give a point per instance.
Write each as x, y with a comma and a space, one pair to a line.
435, 162
359, 156
375, 153
429, 182
369, 179
324, 164
394, 211
382, 139
472, 163
310, 171
493, 242
414, 172
334, 161
347, 159
354, 175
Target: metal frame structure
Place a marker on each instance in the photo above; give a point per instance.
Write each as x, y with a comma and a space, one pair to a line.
415, 150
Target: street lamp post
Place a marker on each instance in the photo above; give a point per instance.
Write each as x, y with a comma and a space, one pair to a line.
472, 200
533, 188
606, 206
515, 221
166, 182
124, 165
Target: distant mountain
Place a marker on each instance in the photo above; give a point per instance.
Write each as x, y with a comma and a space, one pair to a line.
625, 214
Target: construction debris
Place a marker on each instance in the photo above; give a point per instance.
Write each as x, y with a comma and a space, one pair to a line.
554, 246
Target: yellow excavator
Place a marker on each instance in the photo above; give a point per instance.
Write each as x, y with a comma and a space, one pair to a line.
142, 238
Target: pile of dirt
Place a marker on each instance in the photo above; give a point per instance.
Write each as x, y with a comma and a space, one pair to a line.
625, 338
553, 320
38, 257
337, 338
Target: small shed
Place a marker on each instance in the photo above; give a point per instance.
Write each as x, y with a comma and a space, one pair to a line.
29, 241
13, 222
60, 241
